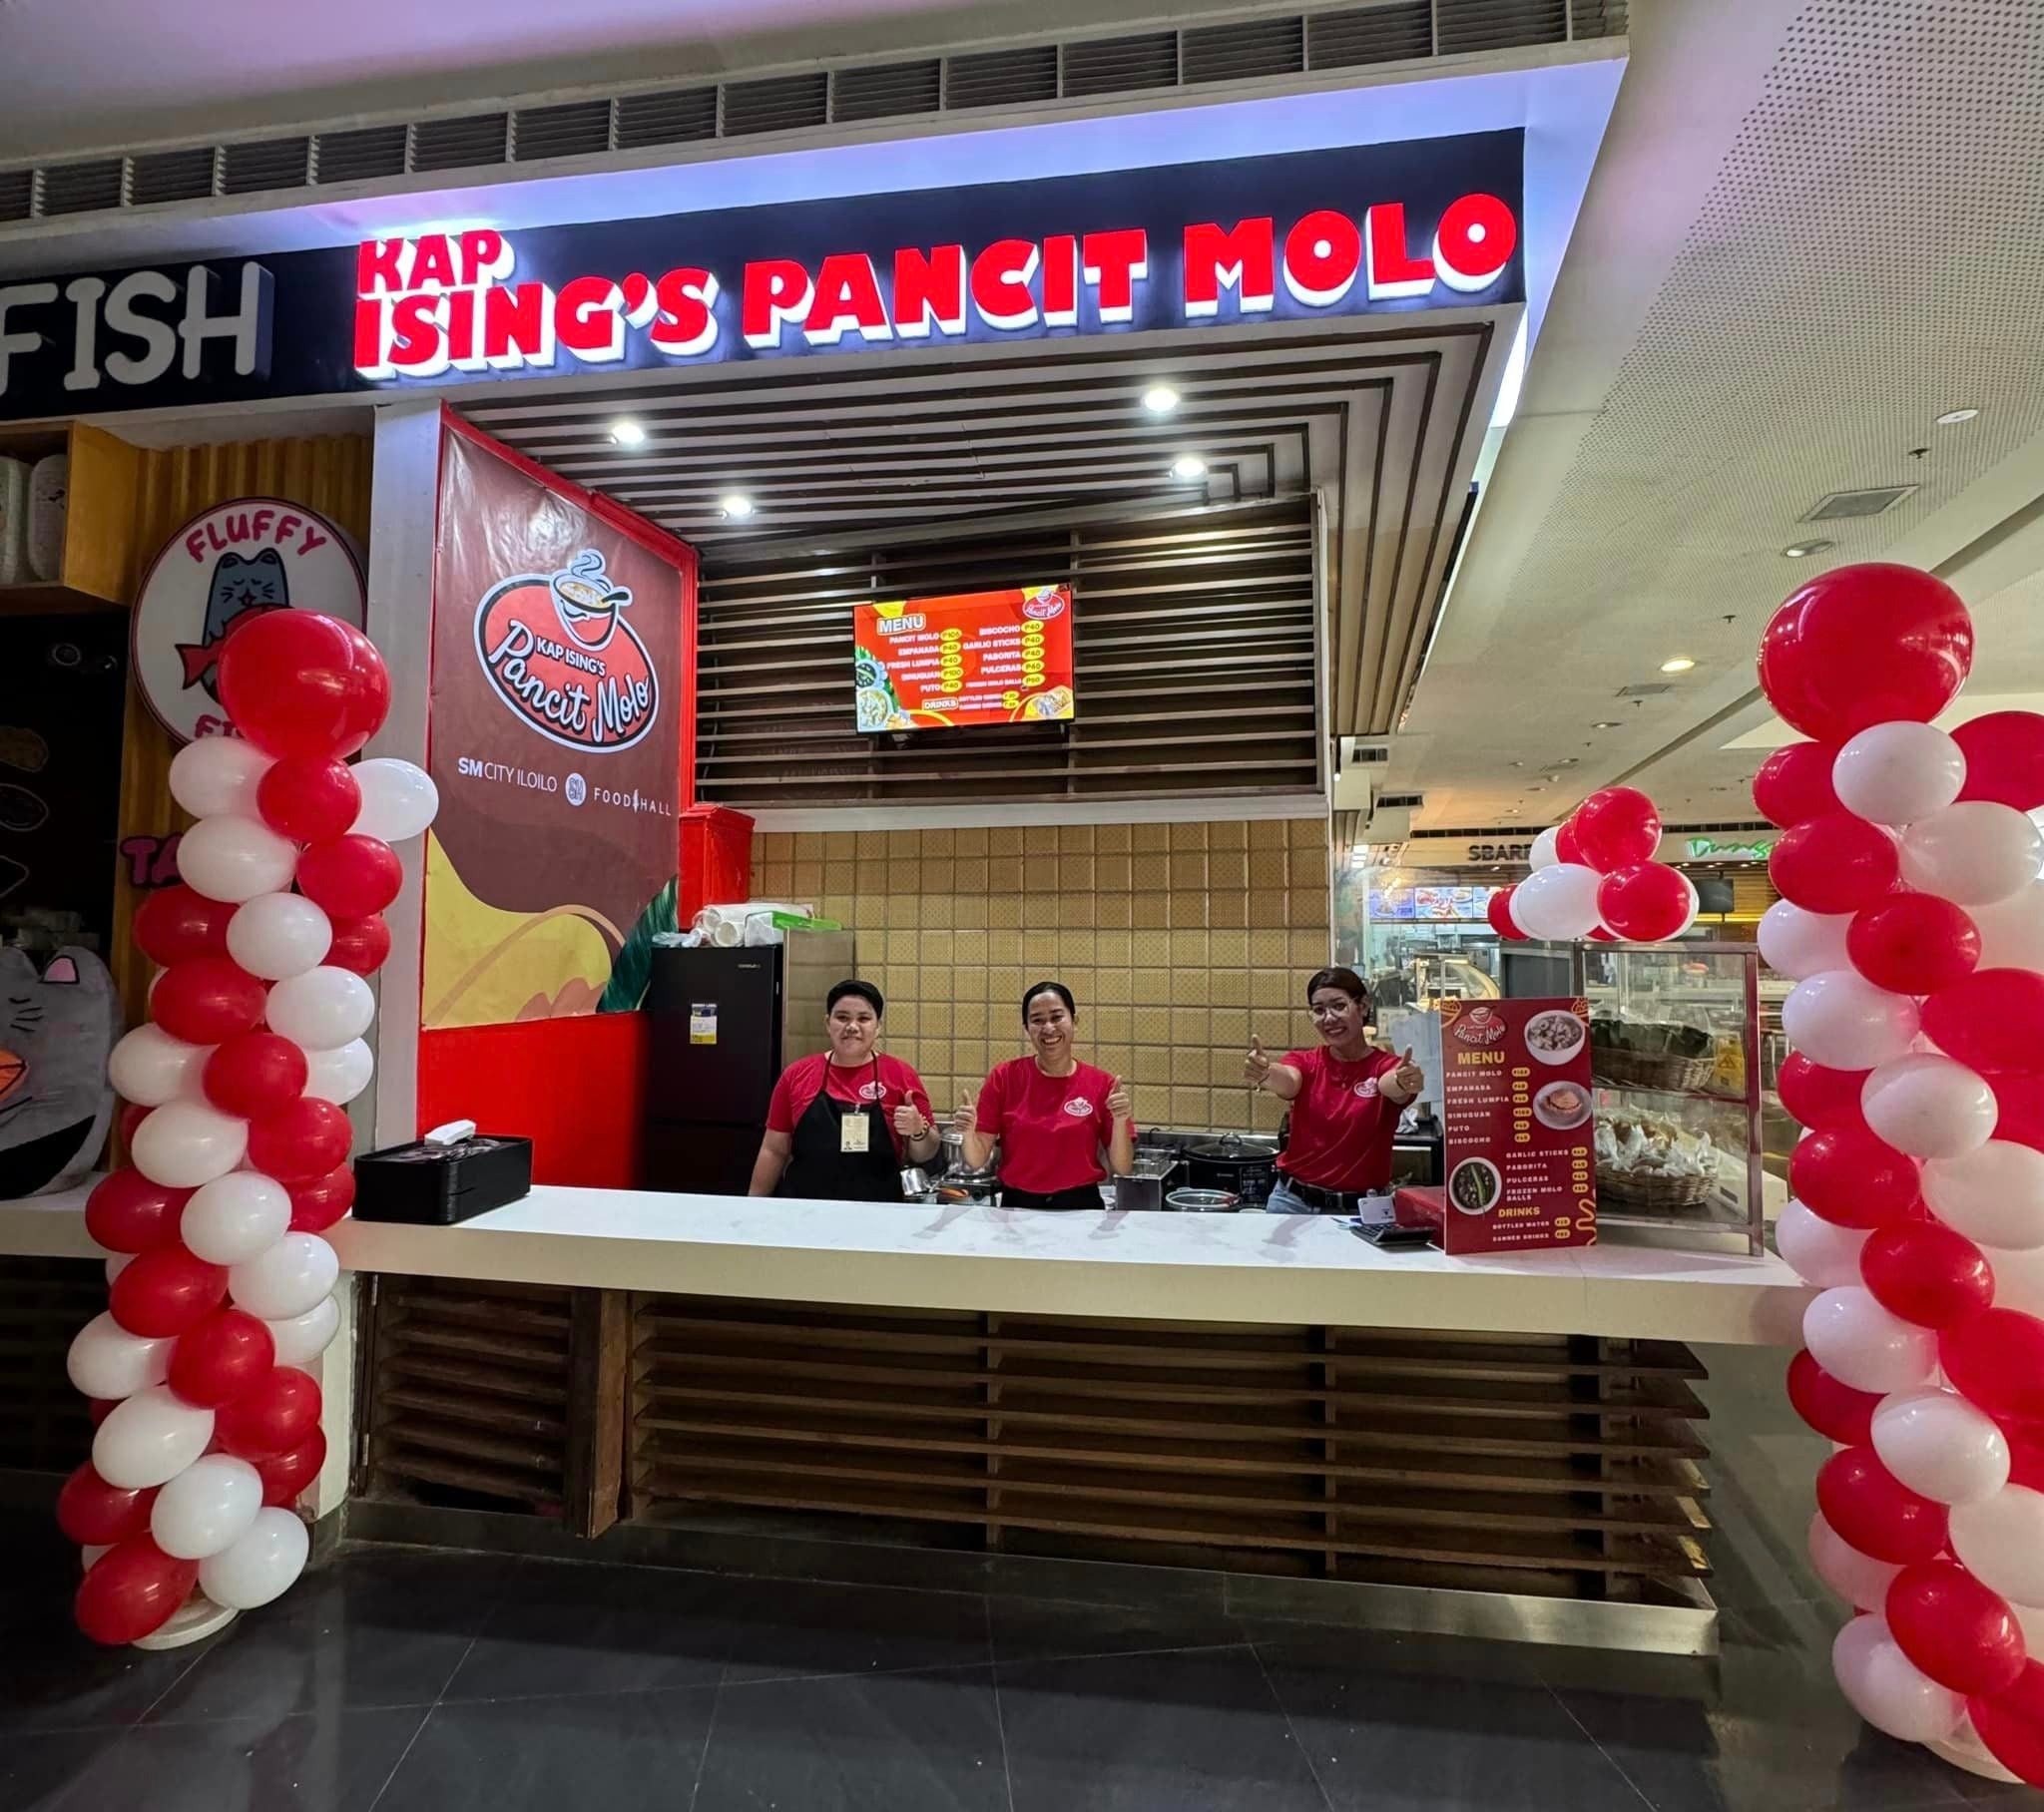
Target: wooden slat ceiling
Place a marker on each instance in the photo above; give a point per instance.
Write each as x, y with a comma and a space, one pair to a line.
1378, 415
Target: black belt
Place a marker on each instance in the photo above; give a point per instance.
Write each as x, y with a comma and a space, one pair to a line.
1080, 1196
1328, 1202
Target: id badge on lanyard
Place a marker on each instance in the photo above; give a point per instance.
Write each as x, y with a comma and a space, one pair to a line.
855, 1133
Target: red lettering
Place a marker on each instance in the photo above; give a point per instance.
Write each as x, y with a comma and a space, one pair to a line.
1061, 280
417, 346
518, 326
776, 290
484, 257
462, 306
432, 264
1321, 256
1474, 243
195, 544
261, 520
380, 267
372, 337
1000, 283
1243, 259
686, 324
1392, 270
930, 287
1114, 263
847, 296
589, 320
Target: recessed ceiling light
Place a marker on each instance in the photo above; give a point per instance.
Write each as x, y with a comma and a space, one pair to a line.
1518, 764
737, 506
1678, 663
628, 434
1952, 417
1189, 466
1606, 723
1160, 399
1801, 549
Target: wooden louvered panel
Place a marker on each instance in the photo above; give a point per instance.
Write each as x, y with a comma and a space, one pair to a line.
1484, 1460
43, 1303
1193, 644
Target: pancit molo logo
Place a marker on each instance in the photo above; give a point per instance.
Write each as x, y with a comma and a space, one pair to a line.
561, 655
1479, 1025
1044, 601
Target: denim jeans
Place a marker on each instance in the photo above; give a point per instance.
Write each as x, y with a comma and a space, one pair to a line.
1282, 1202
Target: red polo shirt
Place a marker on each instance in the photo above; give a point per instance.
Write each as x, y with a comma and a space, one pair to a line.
801, 1082
1342, 1122
1051, 1128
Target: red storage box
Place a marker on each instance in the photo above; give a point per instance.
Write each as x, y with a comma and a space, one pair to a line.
715, 860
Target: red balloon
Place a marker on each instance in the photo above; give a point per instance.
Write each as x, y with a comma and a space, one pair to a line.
100, 1408
275, 1417
132, 1115
1997, 1359
1566, 846
309, 800
352, 876
1876, 1512
362, 944
175, 924
1616, 827
1914, 943
94, 1514
301, 1141
165, 1291
2004, 759
129, 1213
133, 1590
2019, 1105
286, 1475
1926, 1273
1793, 784
317, 1205
1498, 911
256, 1074
2011, 1725
222, 1359
1989, 1019
1837, 1410
1864, 645
1836, 863
1953, 1628
1602, 934
299, 684
2025, 1455
208, 999
1646, 902
1853, 1179
1820, 1097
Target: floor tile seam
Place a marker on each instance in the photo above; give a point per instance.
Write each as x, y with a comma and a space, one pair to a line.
1291, 1729
1612, 1761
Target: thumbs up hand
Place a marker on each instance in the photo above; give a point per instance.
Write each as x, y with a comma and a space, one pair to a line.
1408, 1078
964, 1116
1119, 1101
1255, 1066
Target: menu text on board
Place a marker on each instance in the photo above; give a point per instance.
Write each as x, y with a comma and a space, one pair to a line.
979, 657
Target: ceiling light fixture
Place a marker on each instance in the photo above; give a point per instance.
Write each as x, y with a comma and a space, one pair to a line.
628, 434
1678, 663
737, 506
1607, 723
1189, 466
1801, 549
1160, 399
1952, 417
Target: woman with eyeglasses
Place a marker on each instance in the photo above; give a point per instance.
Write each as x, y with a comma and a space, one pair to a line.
1346, 1098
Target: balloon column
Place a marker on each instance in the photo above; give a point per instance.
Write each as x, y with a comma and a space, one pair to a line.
1595, 876
1912, 923
222, 1288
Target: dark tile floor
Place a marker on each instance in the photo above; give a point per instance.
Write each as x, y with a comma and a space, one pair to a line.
398, 1680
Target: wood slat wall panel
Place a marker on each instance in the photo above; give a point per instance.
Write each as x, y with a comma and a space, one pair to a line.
1478, 1460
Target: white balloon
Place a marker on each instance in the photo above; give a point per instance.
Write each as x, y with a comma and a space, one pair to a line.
322, 1009
1816, 1249
1858, 1578
206, 1508
259, 1567
1994, 1195
1940, 1445
150, 1439
2000, 1542
302, 1338
275, 935
2018, 1281
2012, 930
398, 799
1840, 1019
235, 1218
1976, 853
1886, 1687
1798, 944
149, 1066
1861, 1345
216, 776
339, 1076
1544, 854
1558, 901
287, 1281
107, 1361
118, 1263
1898, 773
1929, 1105
186, 1143
235, 858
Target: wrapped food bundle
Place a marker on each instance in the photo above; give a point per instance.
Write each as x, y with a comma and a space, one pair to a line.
1645, 1159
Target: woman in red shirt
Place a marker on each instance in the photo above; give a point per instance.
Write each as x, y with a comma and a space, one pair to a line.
1051, 1114
842, 1123
1345, 1099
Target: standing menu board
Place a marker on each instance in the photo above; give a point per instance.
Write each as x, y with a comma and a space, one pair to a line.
978, 658
1518, 1119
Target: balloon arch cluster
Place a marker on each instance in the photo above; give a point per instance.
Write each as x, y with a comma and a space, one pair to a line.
1912, 921
222, 1288
1594, 876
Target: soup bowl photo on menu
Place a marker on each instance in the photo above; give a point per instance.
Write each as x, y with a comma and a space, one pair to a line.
1474, 1185
1555, 1036
1562, 1106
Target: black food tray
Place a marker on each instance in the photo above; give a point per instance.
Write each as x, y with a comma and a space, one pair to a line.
436, 1186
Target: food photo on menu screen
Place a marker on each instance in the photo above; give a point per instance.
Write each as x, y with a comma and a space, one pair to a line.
976, 657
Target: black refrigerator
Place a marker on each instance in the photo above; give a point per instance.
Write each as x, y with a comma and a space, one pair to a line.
725, 1023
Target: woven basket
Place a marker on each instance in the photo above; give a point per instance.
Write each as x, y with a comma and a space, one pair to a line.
1650, 1190
1644, 1069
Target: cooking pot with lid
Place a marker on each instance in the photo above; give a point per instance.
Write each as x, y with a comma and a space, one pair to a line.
1246, 1166
1203, 1201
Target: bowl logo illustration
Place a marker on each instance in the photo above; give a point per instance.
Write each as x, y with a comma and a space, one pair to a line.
1080, 1107
560, 653
1480, 1026
1043, 602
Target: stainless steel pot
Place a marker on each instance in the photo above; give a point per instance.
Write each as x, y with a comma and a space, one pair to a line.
1145, 1195
1202, 1201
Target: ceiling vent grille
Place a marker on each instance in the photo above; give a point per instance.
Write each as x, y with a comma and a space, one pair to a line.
885, 91
1370, 34
254, 165
1598, 18
1647, 689
575, 129
776, 103
18, 194
1117, 66
82, 188
360, 156
469, 142
1473, 24
1841, 506
1251, 50
675, 116
172, 176
1002, 78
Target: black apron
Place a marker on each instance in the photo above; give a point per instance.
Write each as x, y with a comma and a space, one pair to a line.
821, 1169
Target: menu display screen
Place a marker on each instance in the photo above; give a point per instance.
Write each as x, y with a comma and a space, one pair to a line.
1519, 1123
977, 657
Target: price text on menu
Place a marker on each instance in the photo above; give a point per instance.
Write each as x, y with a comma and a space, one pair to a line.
1518, 1124
979, 657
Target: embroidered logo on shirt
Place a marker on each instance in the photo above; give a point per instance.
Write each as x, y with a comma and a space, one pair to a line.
1079, 1107
1366, 1089
872, 1090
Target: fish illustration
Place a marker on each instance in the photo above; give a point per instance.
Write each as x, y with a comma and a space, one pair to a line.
239, 589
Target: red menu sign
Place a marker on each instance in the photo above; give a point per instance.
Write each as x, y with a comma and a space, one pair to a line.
980, 657
1518, 1119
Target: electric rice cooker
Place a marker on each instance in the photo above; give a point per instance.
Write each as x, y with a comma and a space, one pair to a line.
1246, 1167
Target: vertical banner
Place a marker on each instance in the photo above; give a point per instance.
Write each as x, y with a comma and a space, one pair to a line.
562, 653
1518, 1124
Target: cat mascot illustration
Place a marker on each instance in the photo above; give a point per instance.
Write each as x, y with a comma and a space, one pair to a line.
57, 1030
239, 587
